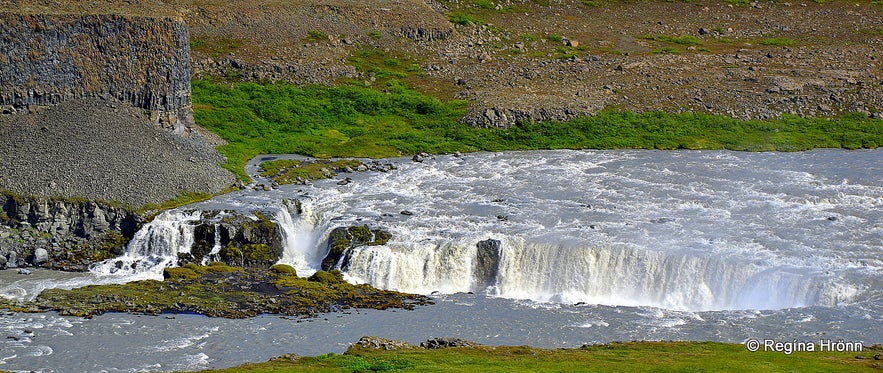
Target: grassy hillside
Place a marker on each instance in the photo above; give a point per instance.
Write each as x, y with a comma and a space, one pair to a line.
352, 121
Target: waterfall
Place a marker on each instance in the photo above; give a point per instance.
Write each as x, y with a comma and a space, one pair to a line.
597, 275
216, 248
154, 247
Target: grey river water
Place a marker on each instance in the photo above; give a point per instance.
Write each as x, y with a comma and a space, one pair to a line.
596, 246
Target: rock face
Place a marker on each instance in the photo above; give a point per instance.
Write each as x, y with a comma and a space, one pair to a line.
83, 218
66, 234
343, 239
244, 240
48, 59
487, 263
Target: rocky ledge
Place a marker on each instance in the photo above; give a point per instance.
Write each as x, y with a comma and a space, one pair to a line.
58, 233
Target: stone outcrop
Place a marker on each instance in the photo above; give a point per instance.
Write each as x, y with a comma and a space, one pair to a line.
59, 233
49, 59
487, 263
82, 218
253, 241
343, 239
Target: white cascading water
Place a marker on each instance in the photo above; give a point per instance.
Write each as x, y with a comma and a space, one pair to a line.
213, 254
608, 228
300, 237
559, 274
154, 247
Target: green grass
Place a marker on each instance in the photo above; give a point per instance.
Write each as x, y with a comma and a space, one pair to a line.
555, 38
666, 50
185, 198
463, 19
287, 171
614, 357
351, 121
316, 35
483, 4
324, 122
779, 42
215, 47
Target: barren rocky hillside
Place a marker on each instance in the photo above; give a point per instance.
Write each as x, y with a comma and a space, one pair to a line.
541, 59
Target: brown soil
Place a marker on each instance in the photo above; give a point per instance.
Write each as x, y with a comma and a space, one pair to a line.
511, 65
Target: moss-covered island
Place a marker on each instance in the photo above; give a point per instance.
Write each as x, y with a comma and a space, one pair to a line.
218, 290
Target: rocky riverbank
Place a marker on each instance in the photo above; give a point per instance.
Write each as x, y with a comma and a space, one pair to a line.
61, 233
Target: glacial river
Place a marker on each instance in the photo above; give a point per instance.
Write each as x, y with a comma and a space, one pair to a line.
594, 246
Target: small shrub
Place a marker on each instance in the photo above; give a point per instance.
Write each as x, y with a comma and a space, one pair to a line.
483, 4
462, 19
374, 34
555, 38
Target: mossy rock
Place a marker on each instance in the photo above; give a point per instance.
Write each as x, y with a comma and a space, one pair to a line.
180, 273
219, 290
345, 238
328, 277
284, 269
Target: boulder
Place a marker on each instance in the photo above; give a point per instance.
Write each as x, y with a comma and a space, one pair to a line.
41, 256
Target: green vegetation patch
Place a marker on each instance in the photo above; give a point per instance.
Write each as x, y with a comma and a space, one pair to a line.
779, 42
185, 198
316, 35
322, 121
215, 47
350, 121
614, 357
464, 19
287, 171
219, 290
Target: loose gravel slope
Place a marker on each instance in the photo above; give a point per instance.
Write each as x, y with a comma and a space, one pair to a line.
104, 150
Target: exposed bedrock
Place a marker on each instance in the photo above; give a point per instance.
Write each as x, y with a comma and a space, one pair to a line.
58, 233
49, 59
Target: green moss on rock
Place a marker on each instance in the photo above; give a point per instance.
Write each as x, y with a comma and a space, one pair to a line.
284, 269
345, 238
219, 290
328, 277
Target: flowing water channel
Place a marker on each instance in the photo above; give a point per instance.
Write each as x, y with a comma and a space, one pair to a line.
588, 247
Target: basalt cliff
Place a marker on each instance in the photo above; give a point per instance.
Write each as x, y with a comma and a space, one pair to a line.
143, 61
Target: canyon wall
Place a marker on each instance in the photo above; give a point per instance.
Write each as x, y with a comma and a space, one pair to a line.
49, 59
